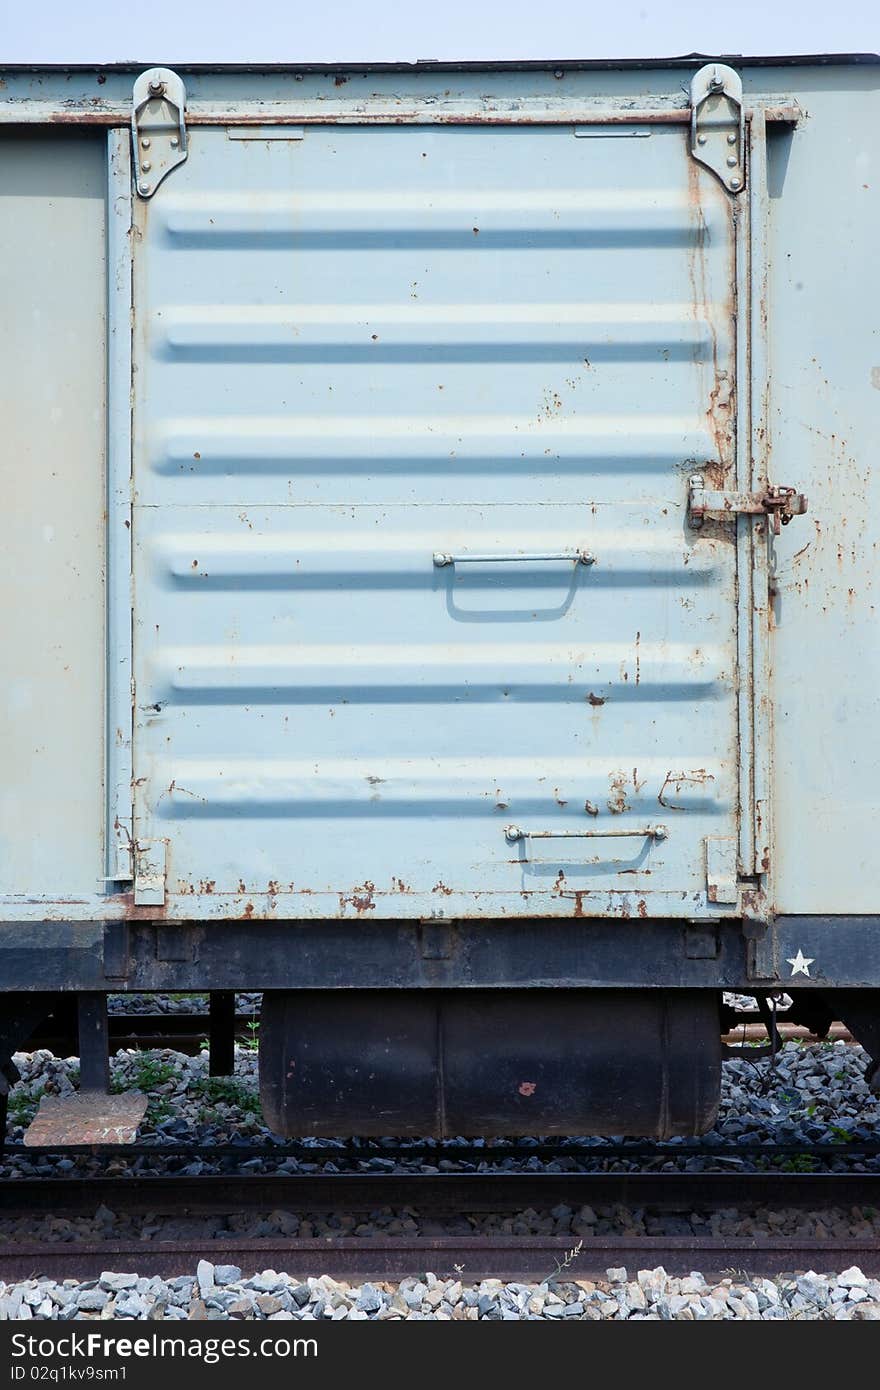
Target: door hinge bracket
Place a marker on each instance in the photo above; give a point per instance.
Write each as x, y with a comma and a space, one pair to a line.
778, 503
718, 123
149, 873
158, 128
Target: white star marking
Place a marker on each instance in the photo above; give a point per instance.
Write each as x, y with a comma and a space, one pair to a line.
800, 964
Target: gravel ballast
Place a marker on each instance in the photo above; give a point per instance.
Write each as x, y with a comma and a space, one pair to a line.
218, 1292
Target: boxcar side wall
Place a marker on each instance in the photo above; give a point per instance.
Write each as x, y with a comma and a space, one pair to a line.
824, 218
63, 924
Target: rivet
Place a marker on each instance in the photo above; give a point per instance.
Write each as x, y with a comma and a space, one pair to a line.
146, 165
735, 183
731, 161
701, 139
146, 142
731, 139
144, 187
174, 142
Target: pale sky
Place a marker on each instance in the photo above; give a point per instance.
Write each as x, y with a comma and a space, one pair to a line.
169, 31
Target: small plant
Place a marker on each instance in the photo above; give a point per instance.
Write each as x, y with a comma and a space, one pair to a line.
841, 1135
567, 1261
23, 1105
799, 1163
251, 1040
145, 1072
228, 1090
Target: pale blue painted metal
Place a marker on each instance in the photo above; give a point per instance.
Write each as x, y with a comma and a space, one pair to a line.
366, 347
313, 470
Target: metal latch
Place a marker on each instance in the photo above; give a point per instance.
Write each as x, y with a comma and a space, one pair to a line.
158, 129
779, 503
149, 873
718, 123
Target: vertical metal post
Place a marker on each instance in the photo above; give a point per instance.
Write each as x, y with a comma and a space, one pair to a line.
760, 449
744, 541
94, 1042
221, 1032
120, 830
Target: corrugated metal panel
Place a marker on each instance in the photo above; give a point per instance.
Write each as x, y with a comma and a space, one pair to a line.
361, 348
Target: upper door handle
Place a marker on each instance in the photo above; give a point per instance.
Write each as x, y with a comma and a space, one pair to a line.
577, 557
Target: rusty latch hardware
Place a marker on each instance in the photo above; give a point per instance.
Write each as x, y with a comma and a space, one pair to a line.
158, 128
718, 123
779, 503
149, 873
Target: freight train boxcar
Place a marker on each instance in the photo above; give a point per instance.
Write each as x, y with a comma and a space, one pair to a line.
440, 571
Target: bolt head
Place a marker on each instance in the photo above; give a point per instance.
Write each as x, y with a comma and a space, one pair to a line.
157, 86
145, 143
735, 182
144, 187
174, 142
146, 165
701, 139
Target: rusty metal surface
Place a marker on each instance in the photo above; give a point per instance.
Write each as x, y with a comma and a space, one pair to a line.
443, 1194
86, 1117
470, 1258
806, 363
383, 1257
482, 341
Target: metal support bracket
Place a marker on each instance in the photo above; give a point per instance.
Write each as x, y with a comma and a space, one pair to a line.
149, 873
158, 128
780, 503
718, 124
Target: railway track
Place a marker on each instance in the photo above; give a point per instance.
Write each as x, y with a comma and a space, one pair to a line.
356, 1152
188, 1033
429, 1199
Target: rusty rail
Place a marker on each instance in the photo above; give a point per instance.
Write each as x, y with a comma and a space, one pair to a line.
187, 1032
472, 1256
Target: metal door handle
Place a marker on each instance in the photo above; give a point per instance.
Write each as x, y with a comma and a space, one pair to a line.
578, 557
514, 833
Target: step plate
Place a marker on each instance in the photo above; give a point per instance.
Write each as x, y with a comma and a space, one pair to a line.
87, 1117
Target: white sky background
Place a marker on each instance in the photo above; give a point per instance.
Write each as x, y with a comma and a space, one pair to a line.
336, 31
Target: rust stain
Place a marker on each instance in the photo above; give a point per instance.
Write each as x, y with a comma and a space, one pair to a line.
361, 898
596, 699
642, 908
616, 802
527, 1088
591, 808
697, 777
441, 887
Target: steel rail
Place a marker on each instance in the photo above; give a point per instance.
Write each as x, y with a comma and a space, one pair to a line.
435, 1193
186, 1032
469, 1258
